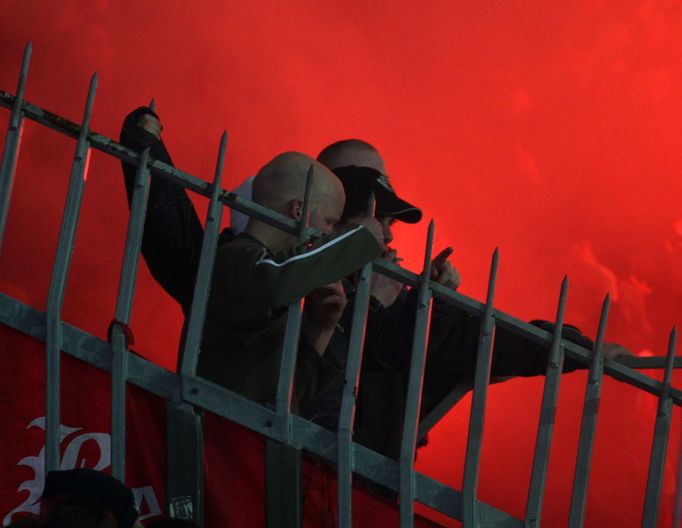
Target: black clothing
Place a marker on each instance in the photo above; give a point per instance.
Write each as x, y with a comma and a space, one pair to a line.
172, 231
247, 311
171, 246
450, 361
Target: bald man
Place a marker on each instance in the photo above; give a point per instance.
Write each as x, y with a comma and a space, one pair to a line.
173, 233
263, 269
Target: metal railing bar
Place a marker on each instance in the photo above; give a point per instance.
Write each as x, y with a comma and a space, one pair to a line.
218, 400
58, 285
12, 143
615, 369
478, 402
550, 398
81, 345
415, 383
648, 362
192, 183
660, 443
642, 382
287, 368
677, 511
386, 472
157, 168
202, 285
356, 344
124, 302
283, 462
232, 406
588, 426
391, 270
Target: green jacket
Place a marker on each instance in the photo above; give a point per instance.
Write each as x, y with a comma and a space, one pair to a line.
247, 307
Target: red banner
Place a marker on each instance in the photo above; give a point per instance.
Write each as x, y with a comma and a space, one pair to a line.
235, 469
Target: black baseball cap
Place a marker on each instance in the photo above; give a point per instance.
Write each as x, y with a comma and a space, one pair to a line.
110, 493
359, 182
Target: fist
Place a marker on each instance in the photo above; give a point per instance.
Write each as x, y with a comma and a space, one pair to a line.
443, 272
326, 304
151, 124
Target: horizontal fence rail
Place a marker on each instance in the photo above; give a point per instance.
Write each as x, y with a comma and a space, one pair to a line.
281, 424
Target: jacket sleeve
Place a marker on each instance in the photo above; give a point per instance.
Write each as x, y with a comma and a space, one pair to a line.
453, 347
284, 278
172, 232
314, 372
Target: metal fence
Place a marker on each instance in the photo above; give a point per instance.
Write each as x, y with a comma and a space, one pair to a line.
288, 434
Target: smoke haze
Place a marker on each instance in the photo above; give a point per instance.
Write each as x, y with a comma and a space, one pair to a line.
551, 130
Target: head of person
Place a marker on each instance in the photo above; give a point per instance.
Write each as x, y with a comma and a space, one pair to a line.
76, 511
362, 182
352, 152
280, 186
88, 493
362, 171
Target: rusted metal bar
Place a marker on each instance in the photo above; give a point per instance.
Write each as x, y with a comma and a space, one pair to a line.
55, 299
202, 285
12, 144
126, 289
588, 426
660, 443
408, 490
470, 513
356, 346
550, 397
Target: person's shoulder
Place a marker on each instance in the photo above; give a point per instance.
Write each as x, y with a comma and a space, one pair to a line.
240, 246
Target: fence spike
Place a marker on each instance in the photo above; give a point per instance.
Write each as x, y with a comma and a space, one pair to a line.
209, 246
588, 426
660, 443
10, 153
470, 513
58, 284
550, 397
408, 490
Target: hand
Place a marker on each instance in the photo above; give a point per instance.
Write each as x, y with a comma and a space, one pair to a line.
613, 350
382, 288
151, 124
326, 304
443, 272
373, 226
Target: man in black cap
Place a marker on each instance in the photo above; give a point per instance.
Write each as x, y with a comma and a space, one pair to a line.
87, 494
453, 334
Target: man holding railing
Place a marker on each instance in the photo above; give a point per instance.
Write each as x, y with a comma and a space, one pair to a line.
257, 274
453, 333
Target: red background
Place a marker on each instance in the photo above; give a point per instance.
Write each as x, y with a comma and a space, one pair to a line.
549, 129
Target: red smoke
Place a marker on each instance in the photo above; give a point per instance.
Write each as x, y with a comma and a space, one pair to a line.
549, 129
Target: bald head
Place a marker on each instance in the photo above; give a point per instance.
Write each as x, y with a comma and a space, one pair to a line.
351, 152
280, 185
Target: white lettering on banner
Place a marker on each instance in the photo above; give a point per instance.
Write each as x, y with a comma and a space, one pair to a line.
145, 498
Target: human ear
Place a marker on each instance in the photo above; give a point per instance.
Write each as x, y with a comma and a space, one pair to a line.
296, 209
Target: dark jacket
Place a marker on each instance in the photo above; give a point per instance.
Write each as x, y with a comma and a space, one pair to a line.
450, 362
247, 305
